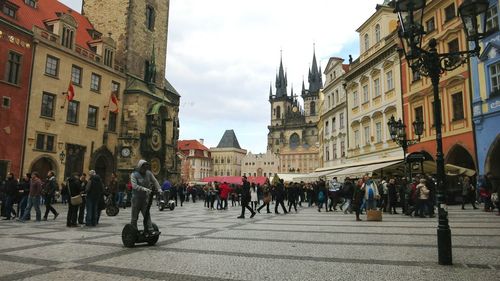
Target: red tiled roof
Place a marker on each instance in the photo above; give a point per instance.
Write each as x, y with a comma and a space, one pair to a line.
28, 17
345, 67
191, 144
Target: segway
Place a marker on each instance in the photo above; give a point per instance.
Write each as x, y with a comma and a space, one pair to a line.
132, 236
111, 208
164, 202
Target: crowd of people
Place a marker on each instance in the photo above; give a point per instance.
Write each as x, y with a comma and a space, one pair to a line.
391, 195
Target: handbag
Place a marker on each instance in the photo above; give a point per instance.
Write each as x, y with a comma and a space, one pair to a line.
76, 200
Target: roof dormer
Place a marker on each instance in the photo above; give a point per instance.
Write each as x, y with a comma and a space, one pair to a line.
105, 47
65, 27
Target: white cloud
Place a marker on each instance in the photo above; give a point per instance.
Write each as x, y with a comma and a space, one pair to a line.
222, 55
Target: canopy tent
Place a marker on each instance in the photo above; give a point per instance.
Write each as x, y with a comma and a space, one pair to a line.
314, 176
235, 179
368, 168
454, 170
290, 177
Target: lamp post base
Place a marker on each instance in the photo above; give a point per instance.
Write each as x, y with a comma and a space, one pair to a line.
444, 240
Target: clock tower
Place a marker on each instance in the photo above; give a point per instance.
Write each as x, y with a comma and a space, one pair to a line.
150, 124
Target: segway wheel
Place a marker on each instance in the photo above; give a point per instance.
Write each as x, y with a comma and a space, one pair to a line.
172, 207
129, 236
112, 211
160, 207
153, 239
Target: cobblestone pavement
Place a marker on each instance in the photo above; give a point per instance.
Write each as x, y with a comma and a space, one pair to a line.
199, 244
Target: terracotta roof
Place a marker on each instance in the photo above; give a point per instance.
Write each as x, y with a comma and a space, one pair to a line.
47, 10
190, 144
345, 67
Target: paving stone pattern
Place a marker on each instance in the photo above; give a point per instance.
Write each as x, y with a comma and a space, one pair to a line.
200, 244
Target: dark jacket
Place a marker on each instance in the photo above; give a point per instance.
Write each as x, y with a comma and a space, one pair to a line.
245, 192
11, 187
94, 188
73, 186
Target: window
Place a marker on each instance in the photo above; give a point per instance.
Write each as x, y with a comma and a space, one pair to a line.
342, 149
453, 46
5, 102
415, 76
365, 94
367, 42
48, 105
150, 18
13, 68
376, 87
76, 75
341, 120
334, 151
52, 66
327, 128
355, 99
419, 113
327, 152
449, 12
329, 101
337, 96
378, 129
92, 116
313, 108
31, 3
67, 37
95, 82
492, 19
367, 134
390, 81
334, 124
115, 88
72, 116
356, 138
9, 10
495, 79
377, 33
45, 142
108, 57
431, 26
458, 106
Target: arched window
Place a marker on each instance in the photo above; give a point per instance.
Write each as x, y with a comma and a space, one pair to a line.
377, 33
313, 108
294, 140
278, 112
367, 42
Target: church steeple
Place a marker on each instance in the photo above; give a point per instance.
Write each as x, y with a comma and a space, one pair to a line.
281, 81
315, 79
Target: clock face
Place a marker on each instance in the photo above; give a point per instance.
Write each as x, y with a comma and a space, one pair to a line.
155, 166
295, 109
126, 151
156, 140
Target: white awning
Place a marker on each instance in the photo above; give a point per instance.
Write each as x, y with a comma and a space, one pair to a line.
289, 177
360, 170
311, 177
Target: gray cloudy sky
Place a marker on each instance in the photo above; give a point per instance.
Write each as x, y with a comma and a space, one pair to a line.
223, 55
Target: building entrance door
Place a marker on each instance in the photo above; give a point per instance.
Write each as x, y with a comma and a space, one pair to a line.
74, 159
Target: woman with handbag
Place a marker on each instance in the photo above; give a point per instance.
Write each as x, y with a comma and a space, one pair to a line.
73, 185
267, 198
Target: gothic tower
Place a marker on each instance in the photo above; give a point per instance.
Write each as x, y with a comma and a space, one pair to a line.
150, 103
311, 96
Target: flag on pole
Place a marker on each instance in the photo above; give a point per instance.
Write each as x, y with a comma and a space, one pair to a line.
113, 106
71, 92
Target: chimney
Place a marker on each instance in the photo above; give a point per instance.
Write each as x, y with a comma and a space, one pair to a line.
202, 141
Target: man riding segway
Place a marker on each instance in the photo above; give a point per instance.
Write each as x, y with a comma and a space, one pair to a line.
144, 184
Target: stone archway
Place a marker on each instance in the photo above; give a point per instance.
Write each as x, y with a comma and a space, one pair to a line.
460, 156
492, 162
103, 163
43, 165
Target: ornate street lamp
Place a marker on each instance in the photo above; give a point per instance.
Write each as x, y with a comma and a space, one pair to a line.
62, 156
432, 64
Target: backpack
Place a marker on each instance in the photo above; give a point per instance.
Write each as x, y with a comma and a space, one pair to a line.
371, 194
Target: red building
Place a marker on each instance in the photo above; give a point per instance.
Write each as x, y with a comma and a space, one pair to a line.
16, 55
196, 160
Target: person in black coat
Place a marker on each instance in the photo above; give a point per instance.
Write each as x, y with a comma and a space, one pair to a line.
280, 197
293, 193
24, 190
73, 186
245, 199
392, 195
10, 195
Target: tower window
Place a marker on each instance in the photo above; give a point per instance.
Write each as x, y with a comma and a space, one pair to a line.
9, 10
150, 18
67, 37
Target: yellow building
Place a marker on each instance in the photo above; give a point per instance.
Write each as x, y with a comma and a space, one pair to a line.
373, 90
81, 134
228, 156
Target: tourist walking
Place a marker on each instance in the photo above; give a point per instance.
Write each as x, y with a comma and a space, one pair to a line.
254, 196
266, 199
34, 198
245, 198
11, 192
357, 198
50, 192
468, 192
280, 197
392, 196
422, 197
24, 190
293, 193
347, 193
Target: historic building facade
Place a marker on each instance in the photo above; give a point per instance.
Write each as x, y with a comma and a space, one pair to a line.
486, 99
293, 132
261, 164
72, 121
333, 119
227, 156
441, 22
196, 160
16, 53
150, 127
373, 90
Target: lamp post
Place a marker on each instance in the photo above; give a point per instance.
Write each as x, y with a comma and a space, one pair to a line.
432, 64
397, 130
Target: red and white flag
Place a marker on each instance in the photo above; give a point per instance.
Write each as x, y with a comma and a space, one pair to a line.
71, 92
113, 105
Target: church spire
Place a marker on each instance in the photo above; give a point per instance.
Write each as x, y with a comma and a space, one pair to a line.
281, 81
315, 79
